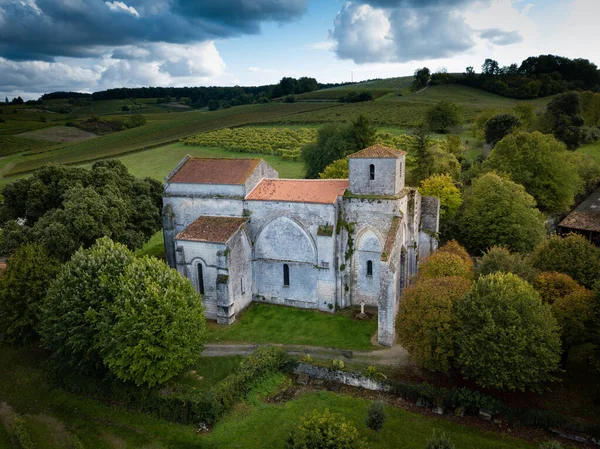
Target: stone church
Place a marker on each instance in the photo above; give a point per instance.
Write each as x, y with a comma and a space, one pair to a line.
242, 234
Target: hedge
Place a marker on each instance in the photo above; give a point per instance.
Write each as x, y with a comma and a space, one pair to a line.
179, 403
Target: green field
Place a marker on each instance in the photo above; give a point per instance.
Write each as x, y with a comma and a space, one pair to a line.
265, 323
54, 418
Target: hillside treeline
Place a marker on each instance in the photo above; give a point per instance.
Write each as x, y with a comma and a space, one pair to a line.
536, 76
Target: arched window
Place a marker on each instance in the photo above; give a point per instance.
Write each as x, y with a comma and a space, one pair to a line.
371, 172
369, 268
286, 275
200, 279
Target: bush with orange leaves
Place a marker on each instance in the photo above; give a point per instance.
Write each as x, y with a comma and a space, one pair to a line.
425, 323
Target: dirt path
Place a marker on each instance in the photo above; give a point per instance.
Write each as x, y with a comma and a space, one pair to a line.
394, 356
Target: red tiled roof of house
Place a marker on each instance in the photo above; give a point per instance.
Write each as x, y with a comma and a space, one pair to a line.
214, 171
211, 229
378, 151
320, 191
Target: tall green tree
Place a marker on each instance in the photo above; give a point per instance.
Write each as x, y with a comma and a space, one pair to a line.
500, 126
154, 329
443, 116
71, 314
573, 255
542, 165
423, 154
563, 118
422, 77
497, 211
443, 187
506, 310
23, 286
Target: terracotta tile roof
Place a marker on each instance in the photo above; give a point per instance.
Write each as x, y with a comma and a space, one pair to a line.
582, 220
390, 239
320, 191
378, 151
586, 216
211, 229
215, 171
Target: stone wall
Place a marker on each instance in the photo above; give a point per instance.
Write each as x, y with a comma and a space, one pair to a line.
343, 377
389, 176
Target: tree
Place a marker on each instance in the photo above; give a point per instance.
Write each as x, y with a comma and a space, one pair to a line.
155, 327
499, 259
541, 164
506, 310
336, 170
288, 86
422, 77
500, 126
23, 286
563, 118
497, 211
325, 430
65, 208
306, 84
573, 255
490, 67
574, 313
443, 116
443, 264
453, 247
421, 147
426, 326
70, 314
553, 285
331, 145
335, 142
375, 416
443, 187
526, 114
361, 134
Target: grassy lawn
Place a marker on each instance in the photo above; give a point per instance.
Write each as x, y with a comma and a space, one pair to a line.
55, 418
591, 149
266, 323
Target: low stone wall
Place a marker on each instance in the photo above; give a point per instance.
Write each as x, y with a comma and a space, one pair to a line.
343, 377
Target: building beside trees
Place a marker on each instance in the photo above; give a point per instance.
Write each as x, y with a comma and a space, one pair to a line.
241, 234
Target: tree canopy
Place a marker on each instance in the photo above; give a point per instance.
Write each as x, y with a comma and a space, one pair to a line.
443, 116
425, 323
497, 211
499, 126
443, 187
499, 259
542, 165
64, 208
336, 170
319, 430
573, 255
506, 310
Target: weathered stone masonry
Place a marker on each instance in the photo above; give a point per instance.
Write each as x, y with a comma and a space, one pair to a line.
241, 234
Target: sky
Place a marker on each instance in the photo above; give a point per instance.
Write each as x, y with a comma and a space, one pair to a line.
91, 45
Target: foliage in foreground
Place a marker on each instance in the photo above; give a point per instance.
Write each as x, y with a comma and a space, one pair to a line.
573, 255
325, 431
336, 170
375, 416
23, 286
443, 187
506, 338
426, 325
497, 211
442, 264
439, 441
136, 318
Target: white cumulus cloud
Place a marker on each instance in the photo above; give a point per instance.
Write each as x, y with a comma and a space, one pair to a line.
120, 6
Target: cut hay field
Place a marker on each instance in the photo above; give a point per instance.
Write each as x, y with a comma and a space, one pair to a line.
58, 134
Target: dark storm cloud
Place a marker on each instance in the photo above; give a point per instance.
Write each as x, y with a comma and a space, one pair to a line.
44, 29
500, 37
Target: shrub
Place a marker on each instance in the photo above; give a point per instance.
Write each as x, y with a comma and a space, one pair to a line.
443, 116
443, 264
307, 358
505, 310
496, 211
426, 327
336, 170
325, 430
499, 259
551, 444
372, 373
338, 364
443, 187
573, 255
439, 441
154, 328
499, 126
453, 247
23, 286
19, 428
574, 313
375, 416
